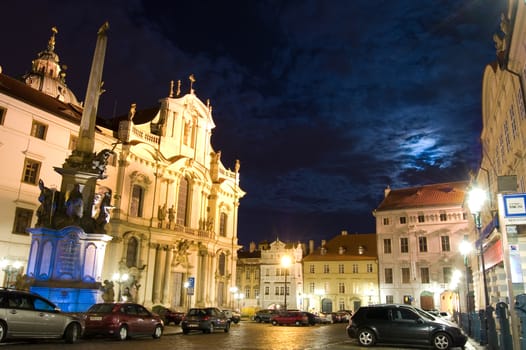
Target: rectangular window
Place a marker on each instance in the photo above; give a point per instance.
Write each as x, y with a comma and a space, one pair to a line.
222, 224
387, 246
422, 244
342, 304
267, 272
341, 268
326, 268
276, 290
421, 218
406, 277
404, 245
447, 274
403, 220
247, 274
443, 217
388, 275
311, 268
424, 274
137, 199
389, 299
341, 288
256, 293
38, 130
3, 112
386, 221
267, 290
23, 219
312, 287
445, 244
369, 268
354, 268
31, 171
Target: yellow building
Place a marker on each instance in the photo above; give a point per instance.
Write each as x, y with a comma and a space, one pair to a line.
341, 274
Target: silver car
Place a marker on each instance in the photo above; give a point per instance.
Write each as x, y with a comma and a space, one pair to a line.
27, 315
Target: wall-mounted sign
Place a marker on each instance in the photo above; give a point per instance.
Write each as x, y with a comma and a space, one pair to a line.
514, 205
515, 208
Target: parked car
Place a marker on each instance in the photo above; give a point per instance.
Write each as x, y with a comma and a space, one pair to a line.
28, 315
297, 318
403, 324
264, 315
313, 318
122, 320
206, 320
340, 316
232, 315
168, 315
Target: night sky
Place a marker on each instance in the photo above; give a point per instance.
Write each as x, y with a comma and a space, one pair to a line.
324, 102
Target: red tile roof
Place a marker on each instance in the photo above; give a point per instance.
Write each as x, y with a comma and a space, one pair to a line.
443, 194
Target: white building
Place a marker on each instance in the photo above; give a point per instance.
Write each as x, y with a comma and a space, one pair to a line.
419, 230
175, 204
276, 279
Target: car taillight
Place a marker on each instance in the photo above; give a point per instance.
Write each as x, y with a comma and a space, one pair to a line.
206, 318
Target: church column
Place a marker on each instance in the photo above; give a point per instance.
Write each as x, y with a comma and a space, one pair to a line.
168, 276
201, 277
159, 268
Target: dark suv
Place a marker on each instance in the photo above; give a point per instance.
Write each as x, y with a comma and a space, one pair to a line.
403, 324
264, 315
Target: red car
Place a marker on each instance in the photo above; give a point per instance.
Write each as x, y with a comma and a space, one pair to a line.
297, 318
122, 320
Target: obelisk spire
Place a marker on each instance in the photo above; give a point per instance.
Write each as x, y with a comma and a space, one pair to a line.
86, 140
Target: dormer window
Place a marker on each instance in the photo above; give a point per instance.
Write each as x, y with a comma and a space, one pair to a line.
361, 250
341, 250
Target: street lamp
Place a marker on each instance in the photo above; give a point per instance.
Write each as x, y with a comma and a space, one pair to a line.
320, 293
120, 279
476, 199
233, 291
465, 249
285, 263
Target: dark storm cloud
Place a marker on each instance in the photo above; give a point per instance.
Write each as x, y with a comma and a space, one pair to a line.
324, 102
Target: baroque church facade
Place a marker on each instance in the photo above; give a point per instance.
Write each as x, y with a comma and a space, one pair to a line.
173, 204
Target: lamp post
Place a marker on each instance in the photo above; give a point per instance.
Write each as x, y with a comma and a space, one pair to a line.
476, 199
466, 248
120, 279
285, 263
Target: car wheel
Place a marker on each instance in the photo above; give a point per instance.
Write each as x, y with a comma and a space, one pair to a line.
274, 323
298, 323
186, 331
122, 334
157, 332
257, 319
227, 327
72, 333
211, 328
3, 330
441, 341
366, 337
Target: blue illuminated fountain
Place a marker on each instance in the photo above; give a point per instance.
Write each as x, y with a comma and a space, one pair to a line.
69, 241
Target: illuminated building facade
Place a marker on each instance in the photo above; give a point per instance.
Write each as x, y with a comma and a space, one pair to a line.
419, 230
174, 205
341, 274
